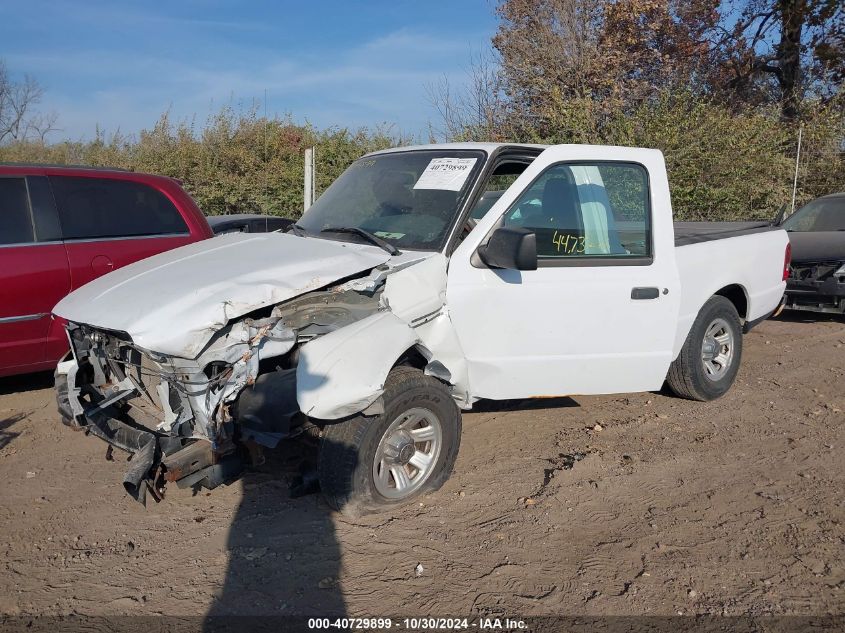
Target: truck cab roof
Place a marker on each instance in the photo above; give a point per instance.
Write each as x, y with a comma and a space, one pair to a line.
489, 148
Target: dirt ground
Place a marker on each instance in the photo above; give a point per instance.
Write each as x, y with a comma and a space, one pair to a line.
730, 507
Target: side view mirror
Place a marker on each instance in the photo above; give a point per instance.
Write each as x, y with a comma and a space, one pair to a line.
779, 218
512, 248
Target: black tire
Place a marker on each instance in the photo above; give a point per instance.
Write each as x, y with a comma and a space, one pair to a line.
348, 448
687, 376
63, 400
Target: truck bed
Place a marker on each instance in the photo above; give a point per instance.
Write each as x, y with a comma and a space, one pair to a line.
696, 232
714, 255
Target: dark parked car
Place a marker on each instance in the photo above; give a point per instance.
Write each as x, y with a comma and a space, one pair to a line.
61, 227
247, 223
817, 234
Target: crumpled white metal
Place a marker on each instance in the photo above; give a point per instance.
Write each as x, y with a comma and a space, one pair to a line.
174, 302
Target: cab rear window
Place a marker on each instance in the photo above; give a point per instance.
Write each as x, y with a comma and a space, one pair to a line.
91, 208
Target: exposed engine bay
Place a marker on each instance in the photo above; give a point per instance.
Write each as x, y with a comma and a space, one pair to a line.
193, 421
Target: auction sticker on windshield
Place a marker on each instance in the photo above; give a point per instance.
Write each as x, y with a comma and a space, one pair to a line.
388, 235
446, 173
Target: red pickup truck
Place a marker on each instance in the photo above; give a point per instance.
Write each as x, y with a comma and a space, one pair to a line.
60, 227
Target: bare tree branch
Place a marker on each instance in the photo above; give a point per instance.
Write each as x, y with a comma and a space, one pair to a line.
18, 120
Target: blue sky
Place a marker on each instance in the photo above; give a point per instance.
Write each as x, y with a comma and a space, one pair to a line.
121, 64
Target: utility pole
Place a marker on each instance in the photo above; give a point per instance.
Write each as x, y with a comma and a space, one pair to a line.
797, 160
309, 178
266, 157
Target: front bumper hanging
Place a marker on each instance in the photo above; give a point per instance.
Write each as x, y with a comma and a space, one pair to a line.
267, 410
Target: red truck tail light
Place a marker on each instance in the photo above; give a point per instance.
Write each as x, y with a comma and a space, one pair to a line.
787, 260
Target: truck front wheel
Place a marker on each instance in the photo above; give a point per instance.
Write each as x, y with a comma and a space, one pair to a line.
709, 360
370, 463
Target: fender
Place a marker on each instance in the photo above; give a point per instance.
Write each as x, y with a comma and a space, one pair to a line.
343, 372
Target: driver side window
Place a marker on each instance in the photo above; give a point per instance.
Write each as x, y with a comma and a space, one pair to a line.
583, 210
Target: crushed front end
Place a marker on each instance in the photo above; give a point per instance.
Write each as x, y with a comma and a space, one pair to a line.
196, 422
817, 287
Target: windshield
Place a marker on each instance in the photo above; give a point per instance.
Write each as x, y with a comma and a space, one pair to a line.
408, 199
824, 214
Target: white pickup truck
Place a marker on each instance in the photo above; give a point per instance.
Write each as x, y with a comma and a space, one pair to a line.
423, 279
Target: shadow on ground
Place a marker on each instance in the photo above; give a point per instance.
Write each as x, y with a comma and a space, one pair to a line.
802, 316
524, 404
6, 422
19, 384
284, 558
284, 555
26, 382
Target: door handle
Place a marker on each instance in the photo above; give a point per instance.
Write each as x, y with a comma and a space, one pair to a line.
645, 293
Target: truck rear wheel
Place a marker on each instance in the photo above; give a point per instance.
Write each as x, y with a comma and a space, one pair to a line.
709, 360
367, 464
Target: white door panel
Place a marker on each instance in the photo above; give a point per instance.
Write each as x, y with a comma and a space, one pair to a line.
560, 331
570, 329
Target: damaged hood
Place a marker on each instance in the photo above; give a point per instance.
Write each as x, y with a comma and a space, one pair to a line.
172, 303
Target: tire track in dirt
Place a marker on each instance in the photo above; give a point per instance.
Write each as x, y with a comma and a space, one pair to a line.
726, 507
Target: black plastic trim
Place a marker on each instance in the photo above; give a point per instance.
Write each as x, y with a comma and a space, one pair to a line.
750, 325
594, 261
64, 166
32, 236
644, 294
42, 204
503, 154
713, 235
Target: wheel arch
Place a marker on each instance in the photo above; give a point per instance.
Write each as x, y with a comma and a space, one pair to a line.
420, 357
343, 372
416, 356
687, 376
737, 295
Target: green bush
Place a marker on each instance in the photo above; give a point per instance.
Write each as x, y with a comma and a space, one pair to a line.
736, 166
237, 162
722, 164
